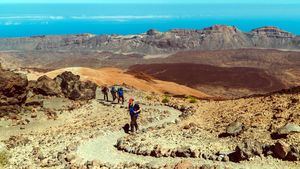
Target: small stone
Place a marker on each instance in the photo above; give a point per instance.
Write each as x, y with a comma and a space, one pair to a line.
220, 158
41, 157
205, 156
70, 157
225, 159
33, 115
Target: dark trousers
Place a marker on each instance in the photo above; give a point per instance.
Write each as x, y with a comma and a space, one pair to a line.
121, 98
105, 96
114, 96
133, 124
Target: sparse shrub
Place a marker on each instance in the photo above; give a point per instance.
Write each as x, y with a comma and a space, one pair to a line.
149, 97
4, 158
165, 100
192, 99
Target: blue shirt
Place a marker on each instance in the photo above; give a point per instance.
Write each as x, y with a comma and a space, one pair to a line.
131, 111
120, 92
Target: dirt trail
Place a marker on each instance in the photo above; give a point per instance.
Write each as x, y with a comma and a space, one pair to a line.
102, 148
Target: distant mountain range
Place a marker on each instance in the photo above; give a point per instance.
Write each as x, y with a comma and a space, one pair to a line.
217, 37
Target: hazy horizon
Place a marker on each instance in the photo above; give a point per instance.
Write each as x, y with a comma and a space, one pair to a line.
156, 1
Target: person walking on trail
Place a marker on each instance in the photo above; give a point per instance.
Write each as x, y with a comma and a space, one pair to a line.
135, 110
105, 91
113, 92
121, 95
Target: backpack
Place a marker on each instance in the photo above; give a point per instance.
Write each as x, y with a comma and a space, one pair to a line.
136, 107
113, 89
105, 89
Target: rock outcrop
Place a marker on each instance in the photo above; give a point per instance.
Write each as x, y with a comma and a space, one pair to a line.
16, 90
12, 91
75, 89
47, 86
271, 31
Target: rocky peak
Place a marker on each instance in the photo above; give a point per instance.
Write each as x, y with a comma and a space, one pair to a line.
222, 28
271, 31
152, 32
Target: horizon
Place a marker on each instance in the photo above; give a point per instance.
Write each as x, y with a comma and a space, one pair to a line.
148, 2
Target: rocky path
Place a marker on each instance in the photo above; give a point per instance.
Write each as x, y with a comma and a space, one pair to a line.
102, 148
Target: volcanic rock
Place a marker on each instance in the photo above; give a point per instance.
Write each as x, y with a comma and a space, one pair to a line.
47, 87
289, 128
281, 149
235, 128
12, 91
245, 151
184, 152
271, 31
75, 89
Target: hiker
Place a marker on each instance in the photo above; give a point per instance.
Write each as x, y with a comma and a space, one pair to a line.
120, 95
113, 92
134, 114
105, 91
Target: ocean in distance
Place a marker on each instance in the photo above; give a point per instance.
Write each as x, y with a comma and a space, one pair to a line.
22, 20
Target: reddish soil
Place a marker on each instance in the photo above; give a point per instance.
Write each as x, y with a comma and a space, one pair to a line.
195, 75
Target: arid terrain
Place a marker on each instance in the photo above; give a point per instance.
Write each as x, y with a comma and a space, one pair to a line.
212, 98
57, 129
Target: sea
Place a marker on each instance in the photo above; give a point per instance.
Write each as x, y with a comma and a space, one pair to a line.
23, 20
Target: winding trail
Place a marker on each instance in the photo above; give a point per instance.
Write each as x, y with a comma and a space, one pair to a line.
102, 148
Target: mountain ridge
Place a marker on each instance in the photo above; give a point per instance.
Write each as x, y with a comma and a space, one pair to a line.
217, 37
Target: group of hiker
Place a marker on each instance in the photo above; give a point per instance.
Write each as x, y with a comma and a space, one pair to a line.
116, 93
133, 107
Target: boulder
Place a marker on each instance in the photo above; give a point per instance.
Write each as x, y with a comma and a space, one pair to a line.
75, 89
281, 149
47, 87
235, 128
292, 156
184, 152
289, 128
13, 91
245, 151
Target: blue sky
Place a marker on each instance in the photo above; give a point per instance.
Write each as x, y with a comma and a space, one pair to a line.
154, 1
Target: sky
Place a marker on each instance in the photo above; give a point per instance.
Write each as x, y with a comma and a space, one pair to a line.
154, 1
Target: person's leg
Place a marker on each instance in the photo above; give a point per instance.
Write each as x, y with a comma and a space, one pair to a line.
123, 99
136, 125
132, 124
113, 96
